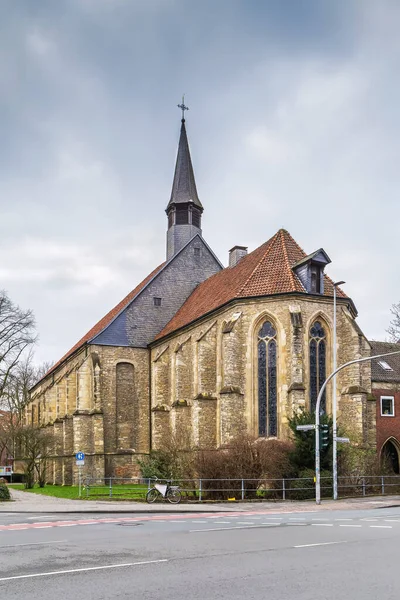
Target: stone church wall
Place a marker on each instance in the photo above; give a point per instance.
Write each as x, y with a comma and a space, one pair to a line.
203, 387
97, 403
218, 399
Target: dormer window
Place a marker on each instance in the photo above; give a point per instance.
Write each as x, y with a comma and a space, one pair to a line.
315, 283
310, 271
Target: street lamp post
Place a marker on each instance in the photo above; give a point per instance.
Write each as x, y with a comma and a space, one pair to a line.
317, 416
334, 395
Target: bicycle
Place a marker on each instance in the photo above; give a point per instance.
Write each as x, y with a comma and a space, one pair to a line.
172, 493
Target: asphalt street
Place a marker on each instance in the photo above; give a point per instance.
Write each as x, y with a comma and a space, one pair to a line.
325, 555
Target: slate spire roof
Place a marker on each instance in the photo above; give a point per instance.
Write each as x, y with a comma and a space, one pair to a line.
184, 185
265, 271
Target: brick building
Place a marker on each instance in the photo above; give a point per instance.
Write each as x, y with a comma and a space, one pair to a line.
204, 352
385, 375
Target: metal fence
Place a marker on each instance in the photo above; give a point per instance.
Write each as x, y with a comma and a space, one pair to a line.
203, 490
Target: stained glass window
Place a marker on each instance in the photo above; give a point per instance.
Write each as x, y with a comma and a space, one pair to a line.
317, 365
267, 381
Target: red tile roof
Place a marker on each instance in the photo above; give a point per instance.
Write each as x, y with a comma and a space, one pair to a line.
265, 271
102, 324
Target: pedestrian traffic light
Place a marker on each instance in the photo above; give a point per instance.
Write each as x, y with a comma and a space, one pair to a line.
323, 436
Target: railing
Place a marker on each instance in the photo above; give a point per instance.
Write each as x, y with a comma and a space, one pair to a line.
203, 490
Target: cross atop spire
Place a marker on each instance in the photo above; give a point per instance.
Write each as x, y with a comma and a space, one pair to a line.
183, 107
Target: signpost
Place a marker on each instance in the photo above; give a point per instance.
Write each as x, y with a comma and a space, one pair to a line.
80, 461
6, 471
305, 427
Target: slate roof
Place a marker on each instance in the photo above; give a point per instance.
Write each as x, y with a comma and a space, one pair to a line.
378, 373
265, 271
184, 185
105, 321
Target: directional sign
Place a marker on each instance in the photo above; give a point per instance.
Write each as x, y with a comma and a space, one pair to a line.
80, 456
305, 427
343, 440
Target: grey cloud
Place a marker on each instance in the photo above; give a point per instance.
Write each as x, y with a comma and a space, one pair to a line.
293, 122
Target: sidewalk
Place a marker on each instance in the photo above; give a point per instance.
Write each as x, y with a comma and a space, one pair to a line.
27, 502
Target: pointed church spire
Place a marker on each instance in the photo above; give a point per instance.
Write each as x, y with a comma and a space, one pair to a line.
184, 185
184, 208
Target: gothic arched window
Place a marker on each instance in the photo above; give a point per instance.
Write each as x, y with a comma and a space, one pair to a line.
267, 383
317, 365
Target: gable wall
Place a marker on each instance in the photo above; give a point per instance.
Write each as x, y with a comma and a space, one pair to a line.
142, 321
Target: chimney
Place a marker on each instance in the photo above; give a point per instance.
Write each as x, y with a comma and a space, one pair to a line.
236, 254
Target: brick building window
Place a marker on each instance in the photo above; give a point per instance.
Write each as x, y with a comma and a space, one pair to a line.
387, 406
267, 381
317, 365
157, 301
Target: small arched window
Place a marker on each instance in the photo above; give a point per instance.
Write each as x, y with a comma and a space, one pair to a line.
267, 381
317, 365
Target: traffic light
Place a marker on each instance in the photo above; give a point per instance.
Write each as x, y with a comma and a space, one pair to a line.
323, 436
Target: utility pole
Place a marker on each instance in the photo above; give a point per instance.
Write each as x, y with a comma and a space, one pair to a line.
334, 394
317, 418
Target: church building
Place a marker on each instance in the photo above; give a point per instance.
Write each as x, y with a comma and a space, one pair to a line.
205, 353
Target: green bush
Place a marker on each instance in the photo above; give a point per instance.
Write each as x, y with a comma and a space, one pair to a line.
303, 455
4, 492
304, 487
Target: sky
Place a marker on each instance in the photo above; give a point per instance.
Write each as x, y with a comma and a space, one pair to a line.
293, 122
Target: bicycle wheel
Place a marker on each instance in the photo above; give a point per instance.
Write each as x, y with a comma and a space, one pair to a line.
152, 495
174, 496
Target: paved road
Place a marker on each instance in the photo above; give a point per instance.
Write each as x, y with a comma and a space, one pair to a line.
226, 556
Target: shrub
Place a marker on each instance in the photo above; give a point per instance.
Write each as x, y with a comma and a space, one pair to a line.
4, 492
303, 455
256, 461
174, 461
303, 488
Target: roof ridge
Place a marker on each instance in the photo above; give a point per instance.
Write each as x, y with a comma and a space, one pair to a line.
269, 244
285, 254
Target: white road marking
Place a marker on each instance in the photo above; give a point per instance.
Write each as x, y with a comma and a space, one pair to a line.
344, 519
67, 525
84, 570
272, 524
382, 526
297, 519
44, 527
320, 544
321, 524
245, 523
223, 522
258, 526
44, 517
315, 519
369, 520
350, 525
34, 544
179, 521
392, 520
198, 521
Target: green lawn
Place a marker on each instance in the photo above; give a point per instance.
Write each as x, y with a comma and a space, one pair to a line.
59, 491
119, 492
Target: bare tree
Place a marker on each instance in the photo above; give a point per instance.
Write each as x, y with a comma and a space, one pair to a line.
15, 399
17, 334
36, 445
394, 327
